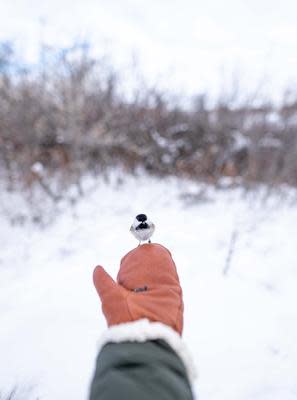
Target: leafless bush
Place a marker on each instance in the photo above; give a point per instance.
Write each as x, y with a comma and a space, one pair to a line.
67, 116
18, 393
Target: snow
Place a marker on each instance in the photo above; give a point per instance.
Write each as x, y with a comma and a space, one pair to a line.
37, 168
240, 141
241, 328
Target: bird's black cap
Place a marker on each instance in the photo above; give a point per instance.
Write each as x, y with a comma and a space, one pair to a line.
141, 217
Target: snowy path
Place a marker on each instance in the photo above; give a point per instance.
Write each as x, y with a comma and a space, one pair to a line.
241, 328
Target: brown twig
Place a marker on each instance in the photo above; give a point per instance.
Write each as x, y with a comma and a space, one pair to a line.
232, 243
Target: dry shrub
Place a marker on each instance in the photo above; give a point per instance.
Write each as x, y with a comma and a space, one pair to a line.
67, 116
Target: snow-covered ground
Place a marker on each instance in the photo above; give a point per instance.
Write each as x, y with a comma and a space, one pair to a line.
241, 328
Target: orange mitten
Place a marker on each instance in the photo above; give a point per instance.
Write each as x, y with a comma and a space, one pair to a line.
147, 287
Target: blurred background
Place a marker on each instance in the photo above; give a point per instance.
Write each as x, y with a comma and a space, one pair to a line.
203, 90
184, 110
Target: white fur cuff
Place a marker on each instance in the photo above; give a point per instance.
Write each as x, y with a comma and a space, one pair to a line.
143, 330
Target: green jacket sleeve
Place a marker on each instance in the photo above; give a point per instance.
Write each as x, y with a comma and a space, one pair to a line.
139, 371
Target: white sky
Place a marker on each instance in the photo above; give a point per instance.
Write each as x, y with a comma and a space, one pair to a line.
187, 45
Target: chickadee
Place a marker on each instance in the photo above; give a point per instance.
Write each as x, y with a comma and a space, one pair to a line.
142, 228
